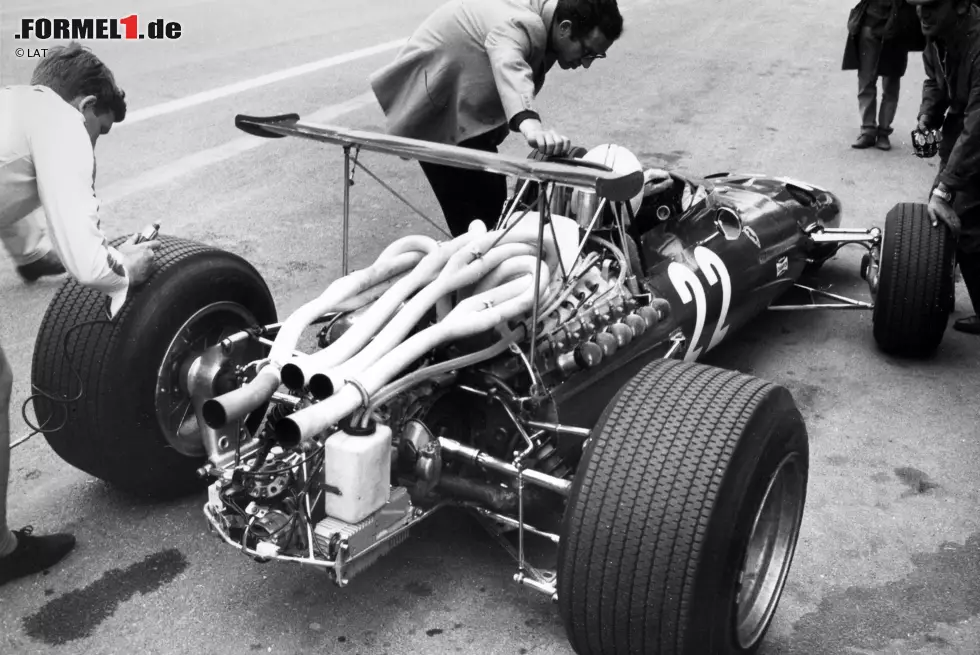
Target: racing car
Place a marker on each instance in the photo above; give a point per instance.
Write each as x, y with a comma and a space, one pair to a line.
540, 373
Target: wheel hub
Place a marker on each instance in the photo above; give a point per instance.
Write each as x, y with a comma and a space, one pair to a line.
770, 551
174, 409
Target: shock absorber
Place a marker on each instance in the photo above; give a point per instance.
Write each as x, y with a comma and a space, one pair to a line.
547, 459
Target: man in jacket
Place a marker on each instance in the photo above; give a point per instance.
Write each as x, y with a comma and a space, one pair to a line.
48, 133
877, 47
951, 100
469, 75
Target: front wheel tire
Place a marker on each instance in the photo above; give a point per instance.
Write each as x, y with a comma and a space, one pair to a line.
915, 282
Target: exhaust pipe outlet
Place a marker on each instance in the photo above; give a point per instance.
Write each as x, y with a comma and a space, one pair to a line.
292, 376
324, 385
222, 410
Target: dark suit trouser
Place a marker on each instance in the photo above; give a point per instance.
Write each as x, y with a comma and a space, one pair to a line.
870, 53
967, 207
466, 195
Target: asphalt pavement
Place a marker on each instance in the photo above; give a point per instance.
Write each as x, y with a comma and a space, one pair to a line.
889, 557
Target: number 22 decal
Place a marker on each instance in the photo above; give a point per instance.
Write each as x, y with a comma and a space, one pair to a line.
690, 289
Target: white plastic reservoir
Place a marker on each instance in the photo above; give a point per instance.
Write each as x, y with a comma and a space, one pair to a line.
359, 467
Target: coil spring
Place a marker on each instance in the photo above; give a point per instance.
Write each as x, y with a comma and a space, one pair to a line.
547, 459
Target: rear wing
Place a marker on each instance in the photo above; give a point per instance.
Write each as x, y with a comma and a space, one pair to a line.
585, 175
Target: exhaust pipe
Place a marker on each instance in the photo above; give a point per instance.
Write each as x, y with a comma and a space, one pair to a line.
464, 268
396, 258
474, 315
222, 410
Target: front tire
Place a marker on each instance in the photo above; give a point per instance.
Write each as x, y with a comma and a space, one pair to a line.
915, 282
684, 515
132, 425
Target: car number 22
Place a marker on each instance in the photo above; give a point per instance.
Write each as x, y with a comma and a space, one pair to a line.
690, 289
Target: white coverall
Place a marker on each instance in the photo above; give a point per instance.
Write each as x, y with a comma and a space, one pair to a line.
46, 174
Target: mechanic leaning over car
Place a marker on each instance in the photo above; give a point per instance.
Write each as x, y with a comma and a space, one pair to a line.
951, 100
469, 75
48, 132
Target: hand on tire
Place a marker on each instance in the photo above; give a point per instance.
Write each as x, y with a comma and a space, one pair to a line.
940, 210
138, 259
548, 142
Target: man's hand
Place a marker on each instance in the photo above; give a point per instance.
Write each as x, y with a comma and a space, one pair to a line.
138, 259
923, 123
940, 210
547, 142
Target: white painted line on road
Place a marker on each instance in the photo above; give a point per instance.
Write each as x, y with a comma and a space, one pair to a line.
199, 160
171, 106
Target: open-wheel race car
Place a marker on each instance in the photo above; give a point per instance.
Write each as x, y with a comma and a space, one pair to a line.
540, 374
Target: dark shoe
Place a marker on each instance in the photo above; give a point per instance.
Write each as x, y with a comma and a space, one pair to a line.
970, 325
883, 142
864, 141
34, 554
50, 264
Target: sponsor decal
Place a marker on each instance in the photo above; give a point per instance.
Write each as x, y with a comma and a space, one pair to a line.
753, 237
782, 265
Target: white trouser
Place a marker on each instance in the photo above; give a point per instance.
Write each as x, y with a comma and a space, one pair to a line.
27, 239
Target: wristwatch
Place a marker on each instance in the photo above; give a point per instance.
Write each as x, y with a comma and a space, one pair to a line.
942, 192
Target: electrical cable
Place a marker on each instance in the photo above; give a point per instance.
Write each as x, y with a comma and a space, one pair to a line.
59, 401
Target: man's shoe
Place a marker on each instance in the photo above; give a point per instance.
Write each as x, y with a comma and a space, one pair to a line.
884, 143
50, 264
970, 325
34, 554
864, 141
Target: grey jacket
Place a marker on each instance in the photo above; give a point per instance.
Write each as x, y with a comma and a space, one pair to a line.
471, 67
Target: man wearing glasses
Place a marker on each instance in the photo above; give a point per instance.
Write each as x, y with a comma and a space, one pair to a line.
468, 76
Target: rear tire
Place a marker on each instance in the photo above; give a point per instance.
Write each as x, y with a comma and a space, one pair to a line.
659, 547
114, 431
915, 282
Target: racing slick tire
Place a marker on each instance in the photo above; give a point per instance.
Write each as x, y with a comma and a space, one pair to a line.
684, 515
915, 282
118, 383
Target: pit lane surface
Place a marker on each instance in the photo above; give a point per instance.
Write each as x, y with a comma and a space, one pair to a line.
889, 558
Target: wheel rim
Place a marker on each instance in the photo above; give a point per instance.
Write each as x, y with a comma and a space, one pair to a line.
769, 551
174, 409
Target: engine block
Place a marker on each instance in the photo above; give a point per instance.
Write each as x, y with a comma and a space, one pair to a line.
596, 319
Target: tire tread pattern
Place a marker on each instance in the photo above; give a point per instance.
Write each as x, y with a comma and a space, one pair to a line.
642, 503
91, 438
915, 286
